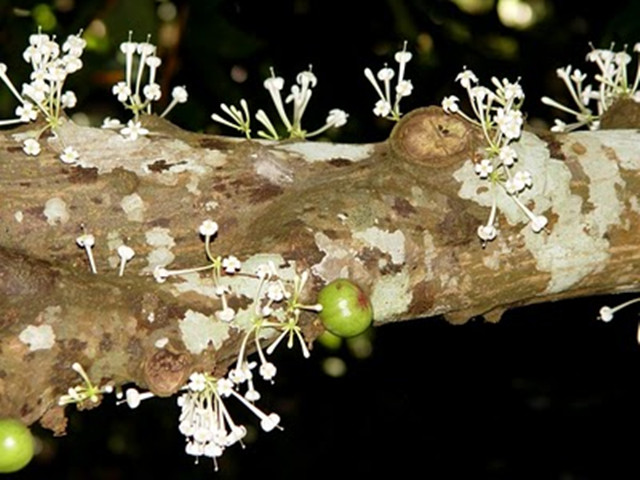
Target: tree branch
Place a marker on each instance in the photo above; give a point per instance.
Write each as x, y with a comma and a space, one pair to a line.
398, 217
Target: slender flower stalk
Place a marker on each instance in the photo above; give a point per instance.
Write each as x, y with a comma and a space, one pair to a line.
240, 119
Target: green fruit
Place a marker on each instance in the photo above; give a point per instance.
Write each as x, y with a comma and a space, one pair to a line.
16, 445
346, 309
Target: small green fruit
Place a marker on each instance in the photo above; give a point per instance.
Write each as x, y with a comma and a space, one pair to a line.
16, 445
346, 309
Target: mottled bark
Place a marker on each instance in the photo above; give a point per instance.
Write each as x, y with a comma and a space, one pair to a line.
398, 217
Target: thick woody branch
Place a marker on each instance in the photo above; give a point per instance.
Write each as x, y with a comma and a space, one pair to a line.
399, 217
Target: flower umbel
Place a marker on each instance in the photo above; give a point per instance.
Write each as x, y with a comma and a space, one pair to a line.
44, 95
612, 82
140, 88
299, 96
497, 113
205, 421
385, 106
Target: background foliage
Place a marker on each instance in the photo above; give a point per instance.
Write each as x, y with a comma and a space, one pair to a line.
547, 393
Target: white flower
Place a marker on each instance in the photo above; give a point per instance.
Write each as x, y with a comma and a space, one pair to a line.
122, 91
559, 126
382, 108
270, 422
133, 130
509, 122
133, 397
484, 168
68, 99
109, 122
208, 228
152, 92
74, 45
403, 56
337, 117
267, 370
231, 264
160, 274
224, 386
26, 112
466, 78
450, 104
538, 222
275, 292
487, 232
523, 179
179, 94
226, 314
31, 147
87, 241
197, 382
404, 88
385, 74
69, 155
125, 253
507, 155
606, 314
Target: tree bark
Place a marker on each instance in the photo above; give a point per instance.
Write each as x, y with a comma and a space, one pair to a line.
398, 217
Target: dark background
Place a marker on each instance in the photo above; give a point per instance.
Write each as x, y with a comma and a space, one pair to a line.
548, 393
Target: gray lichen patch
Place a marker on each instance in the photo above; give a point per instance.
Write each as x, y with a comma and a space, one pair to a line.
199, 331
324, 152
38, 337
391, 296
339, 261
162, 242
133, 207
392, 243
136, 155
578, 243
625, 145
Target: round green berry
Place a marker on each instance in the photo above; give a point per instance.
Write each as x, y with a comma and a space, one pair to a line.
346, 309
16, 445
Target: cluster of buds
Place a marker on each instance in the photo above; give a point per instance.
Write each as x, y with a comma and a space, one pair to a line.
385, 107
83, 393
139, 88
498, 115
45, 94
240, 119
611, 83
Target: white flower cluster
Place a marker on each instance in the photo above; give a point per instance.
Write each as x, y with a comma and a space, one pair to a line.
273, 315
384, 107
498, 114
139, 89
299, 96
45, 93
612, 83
206, 422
